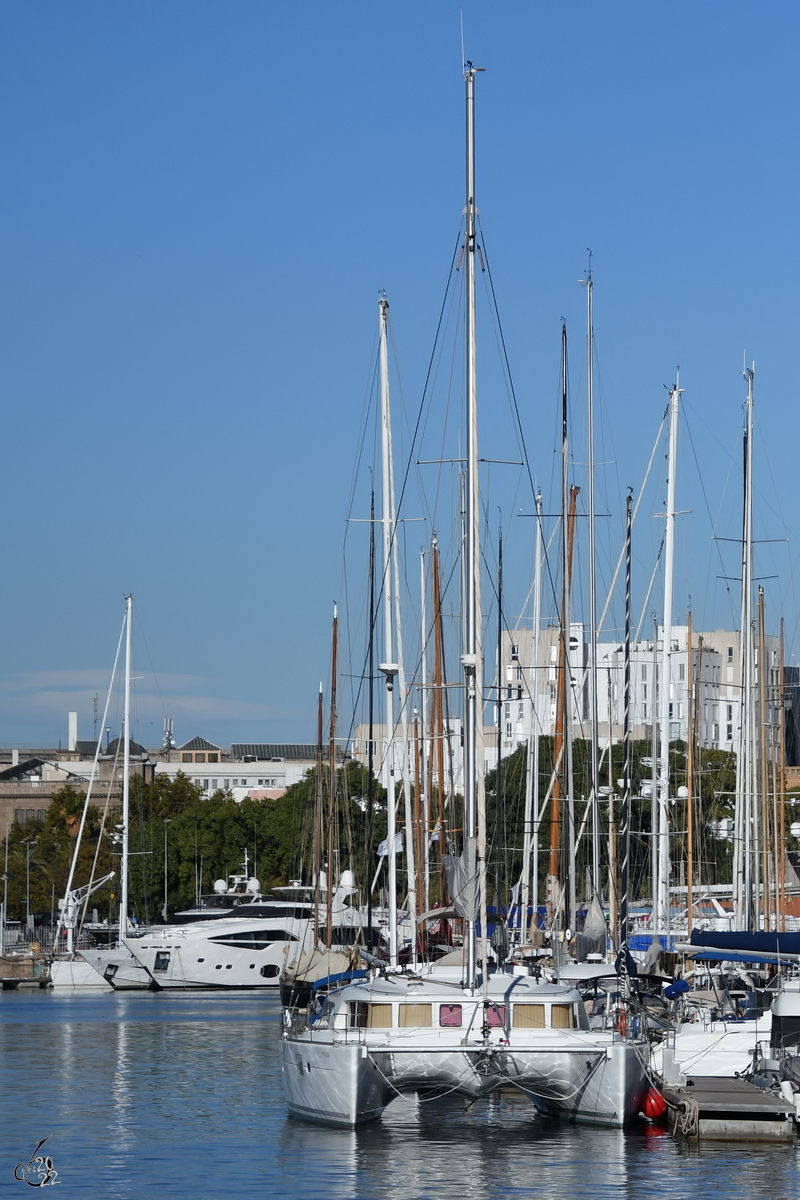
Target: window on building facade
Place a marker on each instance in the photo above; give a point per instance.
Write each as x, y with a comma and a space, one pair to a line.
508, 711
515, 652
508, 694
508, 729
644, 712
730, 733
519, 692
680, 710
214, 784
644, 691
730, 654
519, 672
716, 733
187, 758
644, 670
213, 758
552, 691
681, 671
19, 816
521, 712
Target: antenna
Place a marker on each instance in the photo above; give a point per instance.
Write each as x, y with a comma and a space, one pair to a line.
95, 717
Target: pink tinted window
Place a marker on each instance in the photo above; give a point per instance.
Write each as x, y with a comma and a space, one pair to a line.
450, 1015
497, 1015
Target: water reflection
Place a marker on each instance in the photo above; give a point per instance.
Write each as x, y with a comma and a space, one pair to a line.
162, 1094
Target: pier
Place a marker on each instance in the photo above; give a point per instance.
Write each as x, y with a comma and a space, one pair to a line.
709, 1107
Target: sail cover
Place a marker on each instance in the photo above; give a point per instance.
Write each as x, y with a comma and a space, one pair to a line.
462, 882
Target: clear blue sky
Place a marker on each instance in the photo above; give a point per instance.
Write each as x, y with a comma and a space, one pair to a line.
200, 205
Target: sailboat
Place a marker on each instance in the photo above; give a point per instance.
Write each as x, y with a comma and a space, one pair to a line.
454, 1026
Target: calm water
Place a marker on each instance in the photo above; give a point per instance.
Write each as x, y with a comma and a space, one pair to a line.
181, 1096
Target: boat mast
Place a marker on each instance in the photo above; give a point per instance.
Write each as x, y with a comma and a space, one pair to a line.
426, 799
763, 764
126, 774
471, 654
625, 834
389, 667
331, 784
317, 848
742, 830
371, 744
690, 777
500, 836
595, 733
662, 895
530, 835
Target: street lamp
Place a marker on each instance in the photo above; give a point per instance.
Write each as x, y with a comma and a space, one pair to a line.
27, 843
167, 821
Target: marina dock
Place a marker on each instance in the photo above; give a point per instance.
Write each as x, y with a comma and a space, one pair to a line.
729, 1110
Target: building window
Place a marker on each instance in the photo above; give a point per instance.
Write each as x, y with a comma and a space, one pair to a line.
227, 784
508, 729
40, 814
213, 758
644, 670
521, 712
199, 758
19, 816
515, 652
730, 712
508, 693
552, 691
214, 784
681, 671
519, 692
716, 733
644, 691
680, 710
186, 758
205, 785
508, 711
730, 733
519, 672
644, 712
730, 654
30, 815
670, 709
244, 783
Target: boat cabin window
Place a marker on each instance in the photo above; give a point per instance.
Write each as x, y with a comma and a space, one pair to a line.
358, 1015
254, 939
528, 1016
412, 1016
562, 1016
496, 1016
162, 960
379, 1016
785, 1031
450, 1016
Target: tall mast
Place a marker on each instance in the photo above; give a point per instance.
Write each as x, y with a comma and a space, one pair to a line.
317, 848
425, 865
654, 785
690, 779
595, 773
389, 666
331, 784
554, 904
662, 896
126, 773
762, 757
742, 897
500, 836
530, 834
780, 836
471, 654
625, 836
371, 702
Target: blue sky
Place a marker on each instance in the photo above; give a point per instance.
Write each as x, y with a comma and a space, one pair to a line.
201, 203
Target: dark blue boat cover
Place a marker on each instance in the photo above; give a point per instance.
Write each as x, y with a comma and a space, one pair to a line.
759, 943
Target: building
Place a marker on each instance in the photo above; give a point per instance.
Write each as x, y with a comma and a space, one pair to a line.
529, 686
453, 753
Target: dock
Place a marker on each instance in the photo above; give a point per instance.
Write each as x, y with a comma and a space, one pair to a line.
23, 970
709, 1107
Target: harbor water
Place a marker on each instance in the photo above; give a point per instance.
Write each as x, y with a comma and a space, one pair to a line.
153, 1094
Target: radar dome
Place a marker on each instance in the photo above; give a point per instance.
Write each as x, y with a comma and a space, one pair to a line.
347, 880
254, 885
220, 887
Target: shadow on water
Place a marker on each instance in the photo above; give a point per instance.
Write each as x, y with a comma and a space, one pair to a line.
181, 1095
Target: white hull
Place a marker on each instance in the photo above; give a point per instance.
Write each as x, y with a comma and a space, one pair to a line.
336, 1073
119, 969
236, 953
76, 973
721, 1048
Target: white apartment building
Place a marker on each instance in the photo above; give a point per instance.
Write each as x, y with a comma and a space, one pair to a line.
529, 693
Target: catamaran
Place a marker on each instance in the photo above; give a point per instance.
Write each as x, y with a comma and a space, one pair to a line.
455, 1026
